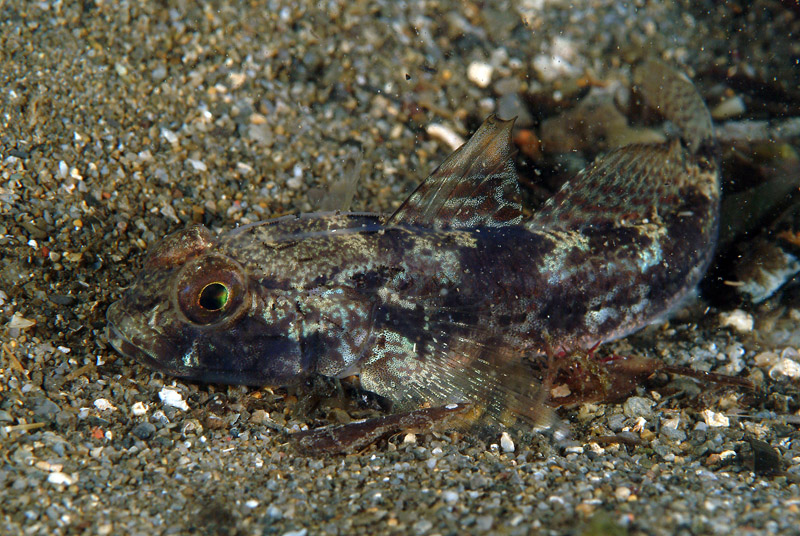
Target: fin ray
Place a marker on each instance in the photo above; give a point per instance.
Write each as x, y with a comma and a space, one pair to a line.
476, 186
623, 187
449, 368
672, 93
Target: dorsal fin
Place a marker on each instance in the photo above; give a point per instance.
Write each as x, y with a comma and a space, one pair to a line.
476, 186
625, 186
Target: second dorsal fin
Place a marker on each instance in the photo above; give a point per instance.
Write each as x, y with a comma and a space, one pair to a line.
476, 186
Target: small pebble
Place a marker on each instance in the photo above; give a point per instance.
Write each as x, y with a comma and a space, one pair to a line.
714, 419
673, 434
673, 422
172, 398
274, 512
484, 523
45, 408
766, 359
197, 165
480, 73
511, 105
259, 416
159, 73
18, 322
144, 430
616, 422
636, 406
170, 136
729, 108
788, 368
738, 320
422, 526
506, 443
450, 497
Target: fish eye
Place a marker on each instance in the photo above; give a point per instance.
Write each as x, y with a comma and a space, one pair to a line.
214, 296
211, 290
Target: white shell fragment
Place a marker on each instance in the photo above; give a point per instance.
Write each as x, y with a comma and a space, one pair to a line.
714, 419
738, 320
60, 479
506, 443
786, 367
171, 397
445, 135
103, 404
139, 409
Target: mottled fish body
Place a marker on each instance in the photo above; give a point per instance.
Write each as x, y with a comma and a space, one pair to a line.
447, 299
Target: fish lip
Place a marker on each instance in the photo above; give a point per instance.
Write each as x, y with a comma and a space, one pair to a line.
125, 347
128, 349
116, 316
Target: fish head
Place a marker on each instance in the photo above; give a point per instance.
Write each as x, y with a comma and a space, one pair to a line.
194, 312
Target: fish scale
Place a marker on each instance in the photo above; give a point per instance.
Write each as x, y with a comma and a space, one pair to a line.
454, 297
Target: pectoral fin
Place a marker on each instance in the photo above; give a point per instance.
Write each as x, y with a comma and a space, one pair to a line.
456, 368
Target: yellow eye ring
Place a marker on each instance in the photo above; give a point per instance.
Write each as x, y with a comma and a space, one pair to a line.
214, 296
212, 289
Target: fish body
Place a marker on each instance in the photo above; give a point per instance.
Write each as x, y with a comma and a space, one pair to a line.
450, 298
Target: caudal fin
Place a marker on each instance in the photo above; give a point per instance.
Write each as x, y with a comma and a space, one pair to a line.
646, 183
672, 93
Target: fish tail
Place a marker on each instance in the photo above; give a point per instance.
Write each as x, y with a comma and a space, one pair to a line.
633, 183
672, 93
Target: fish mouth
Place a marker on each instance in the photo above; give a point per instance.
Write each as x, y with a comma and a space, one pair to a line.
124, 345
128, 349
153, 355
169, 353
